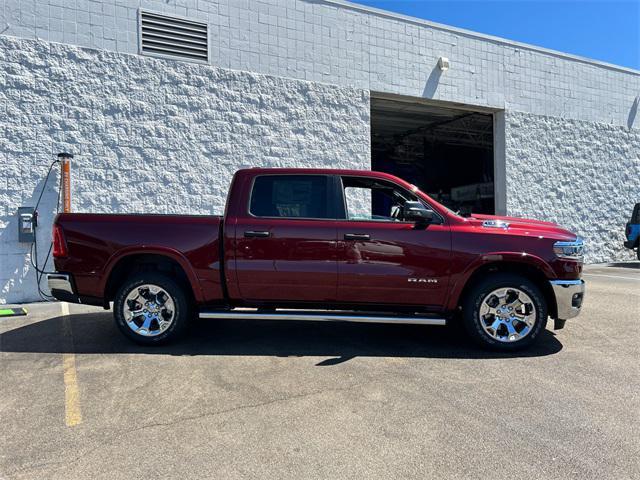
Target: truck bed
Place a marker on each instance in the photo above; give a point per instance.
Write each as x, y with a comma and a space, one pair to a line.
97, 243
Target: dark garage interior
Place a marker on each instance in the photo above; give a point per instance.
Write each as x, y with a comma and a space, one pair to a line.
446, 152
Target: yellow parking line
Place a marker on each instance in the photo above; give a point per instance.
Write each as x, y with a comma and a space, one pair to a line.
396, 360
72, 415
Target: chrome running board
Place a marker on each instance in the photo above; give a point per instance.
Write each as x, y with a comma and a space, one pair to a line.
322, 316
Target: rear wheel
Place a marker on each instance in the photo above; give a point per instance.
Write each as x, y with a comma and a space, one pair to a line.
151, 309
504, 312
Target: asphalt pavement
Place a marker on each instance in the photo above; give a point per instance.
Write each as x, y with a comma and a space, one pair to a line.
299, 400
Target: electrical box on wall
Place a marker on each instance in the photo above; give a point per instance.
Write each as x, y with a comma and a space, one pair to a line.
26, 224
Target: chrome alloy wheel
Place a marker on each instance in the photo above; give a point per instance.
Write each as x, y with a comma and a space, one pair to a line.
507, 314
149, 310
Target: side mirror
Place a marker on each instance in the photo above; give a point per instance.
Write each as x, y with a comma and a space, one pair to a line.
417, 212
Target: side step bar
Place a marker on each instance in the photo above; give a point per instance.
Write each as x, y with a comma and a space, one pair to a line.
322, 316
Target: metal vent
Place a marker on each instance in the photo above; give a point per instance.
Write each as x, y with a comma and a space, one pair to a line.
174, 37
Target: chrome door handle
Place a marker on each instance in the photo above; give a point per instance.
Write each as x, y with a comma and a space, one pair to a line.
357, 236
256, 234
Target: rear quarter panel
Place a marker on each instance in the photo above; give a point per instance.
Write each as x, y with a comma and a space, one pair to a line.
96, 242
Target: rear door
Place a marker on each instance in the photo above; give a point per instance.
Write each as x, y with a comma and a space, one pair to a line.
285, 244
383, 259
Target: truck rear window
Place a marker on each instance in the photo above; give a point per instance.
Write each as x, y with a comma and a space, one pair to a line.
290, 196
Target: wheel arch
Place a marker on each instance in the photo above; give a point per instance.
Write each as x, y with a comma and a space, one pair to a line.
150, 260
530, 271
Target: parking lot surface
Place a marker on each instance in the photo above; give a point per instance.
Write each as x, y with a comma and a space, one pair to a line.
260, 399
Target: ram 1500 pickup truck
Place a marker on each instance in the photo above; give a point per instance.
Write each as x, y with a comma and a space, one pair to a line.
311, 244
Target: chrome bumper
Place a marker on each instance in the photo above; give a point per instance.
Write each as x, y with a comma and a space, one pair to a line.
569, 297
61, 286
60, 281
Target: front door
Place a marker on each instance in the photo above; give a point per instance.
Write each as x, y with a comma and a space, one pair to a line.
286, 243
384, 260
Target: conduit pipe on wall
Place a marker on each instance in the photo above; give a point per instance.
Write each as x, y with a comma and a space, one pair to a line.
65, 162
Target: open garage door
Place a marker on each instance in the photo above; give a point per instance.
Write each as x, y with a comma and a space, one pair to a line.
446, 152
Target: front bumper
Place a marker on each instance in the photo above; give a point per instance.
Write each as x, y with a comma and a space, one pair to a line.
629, 244
61, 286
569, 297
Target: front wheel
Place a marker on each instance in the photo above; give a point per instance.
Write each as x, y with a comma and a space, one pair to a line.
151, 309
504, 312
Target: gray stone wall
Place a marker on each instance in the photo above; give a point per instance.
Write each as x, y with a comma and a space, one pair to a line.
151, 135
336, 42
582, 175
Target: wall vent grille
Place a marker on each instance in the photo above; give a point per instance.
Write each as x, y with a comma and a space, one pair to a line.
174, 37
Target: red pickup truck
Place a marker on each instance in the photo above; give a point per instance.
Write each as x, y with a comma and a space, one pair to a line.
311, 244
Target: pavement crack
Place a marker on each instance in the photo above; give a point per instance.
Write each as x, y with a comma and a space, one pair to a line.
67, 462
238, 408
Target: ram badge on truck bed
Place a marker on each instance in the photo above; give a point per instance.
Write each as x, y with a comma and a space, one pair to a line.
310, 244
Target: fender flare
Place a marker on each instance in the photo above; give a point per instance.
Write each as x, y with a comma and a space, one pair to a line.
168, 252
495, 258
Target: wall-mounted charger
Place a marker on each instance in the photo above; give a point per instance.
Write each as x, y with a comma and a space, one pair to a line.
27, 222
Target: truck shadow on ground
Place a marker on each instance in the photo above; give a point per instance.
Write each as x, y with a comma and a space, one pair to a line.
634, 265
96, 333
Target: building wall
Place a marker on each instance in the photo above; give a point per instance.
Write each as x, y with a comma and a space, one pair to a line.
582, 175
335, 42
151, 135
165, 136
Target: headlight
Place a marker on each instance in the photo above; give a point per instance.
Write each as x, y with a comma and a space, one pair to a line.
571, 250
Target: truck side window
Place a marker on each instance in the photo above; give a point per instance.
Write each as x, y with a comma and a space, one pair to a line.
371, 199
290, 196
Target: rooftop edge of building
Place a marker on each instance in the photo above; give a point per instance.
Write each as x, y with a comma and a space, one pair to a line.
470, 33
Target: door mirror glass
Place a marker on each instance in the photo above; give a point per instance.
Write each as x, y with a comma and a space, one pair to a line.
417, 212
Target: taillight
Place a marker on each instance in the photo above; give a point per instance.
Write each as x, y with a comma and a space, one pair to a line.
59, 243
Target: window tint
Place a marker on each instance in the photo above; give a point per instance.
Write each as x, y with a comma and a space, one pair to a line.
290, 196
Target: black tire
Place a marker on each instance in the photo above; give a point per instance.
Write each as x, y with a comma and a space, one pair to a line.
181, 311
480, 290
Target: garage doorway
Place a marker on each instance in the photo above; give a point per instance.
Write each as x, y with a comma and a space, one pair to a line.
447, 152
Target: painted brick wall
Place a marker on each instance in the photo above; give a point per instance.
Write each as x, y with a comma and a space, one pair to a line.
152, 135
339, 43
582, 175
